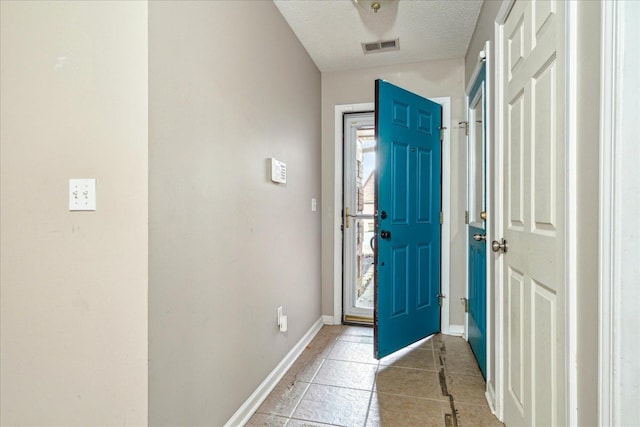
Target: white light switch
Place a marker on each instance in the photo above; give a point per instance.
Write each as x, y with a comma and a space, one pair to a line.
314, 205
82, 194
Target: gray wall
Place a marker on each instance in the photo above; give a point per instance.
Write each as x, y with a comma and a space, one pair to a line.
430, 79
73, 285
484, 31
230, 86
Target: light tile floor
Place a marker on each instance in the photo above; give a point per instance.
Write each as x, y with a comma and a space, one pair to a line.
336, 381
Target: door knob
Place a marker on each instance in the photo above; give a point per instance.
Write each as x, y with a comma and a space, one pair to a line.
384, 234
478, 237
498, 246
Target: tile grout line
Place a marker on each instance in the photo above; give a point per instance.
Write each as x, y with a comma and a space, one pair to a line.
450, 420
373, 386
305, 391
366, 417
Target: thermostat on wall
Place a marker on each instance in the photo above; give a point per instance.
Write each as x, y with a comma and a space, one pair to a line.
278, 171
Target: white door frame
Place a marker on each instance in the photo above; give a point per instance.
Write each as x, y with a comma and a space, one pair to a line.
571, 411
619, 239
492, 208
349, 193
340, 110
498, 201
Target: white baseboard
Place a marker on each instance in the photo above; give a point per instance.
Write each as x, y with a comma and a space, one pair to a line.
331, 320
456, 330
490, 395
249, 407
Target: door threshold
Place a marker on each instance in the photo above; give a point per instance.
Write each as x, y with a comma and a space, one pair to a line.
359, 320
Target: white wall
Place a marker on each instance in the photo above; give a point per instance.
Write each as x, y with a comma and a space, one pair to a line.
429, 79
484, 31
73, 104
230, 87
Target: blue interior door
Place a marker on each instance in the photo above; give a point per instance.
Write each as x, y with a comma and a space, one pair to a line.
407, 221
477, 262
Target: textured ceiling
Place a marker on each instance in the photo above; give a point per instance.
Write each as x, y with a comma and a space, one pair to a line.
332, 30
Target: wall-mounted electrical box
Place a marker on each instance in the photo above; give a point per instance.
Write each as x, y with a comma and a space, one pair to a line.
278, 171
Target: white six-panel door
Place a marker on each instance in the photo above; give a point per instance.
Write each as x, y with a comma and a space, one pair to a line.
534, 295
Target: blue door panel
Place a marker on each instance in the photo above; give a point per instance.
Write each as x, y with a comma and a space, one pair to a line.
425, 286
477, 304
400, 182
399, 285
407, 260
425, 168
425, 122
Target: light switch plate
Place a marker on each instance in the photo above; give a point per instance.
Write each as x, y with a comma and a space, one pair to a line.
82, 194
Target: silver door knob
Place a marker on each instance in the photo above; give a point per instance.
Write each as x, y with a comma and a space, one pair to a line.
478, 237
499, 246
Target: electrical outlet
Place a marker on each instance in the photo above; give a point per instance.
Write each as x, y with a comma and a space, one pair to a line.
82, 194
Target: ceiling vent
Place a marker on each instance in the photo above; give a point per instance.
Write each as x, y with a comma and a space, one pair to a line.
381, 46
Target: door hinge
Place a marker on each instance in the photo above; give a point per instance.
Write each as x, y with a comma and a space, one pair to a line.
466, 127
440, 298
466, 217
441, 217
465, 302
442, 128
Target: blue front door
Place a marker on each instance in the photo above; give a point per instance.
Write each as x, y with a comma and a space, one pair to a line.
407, 222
